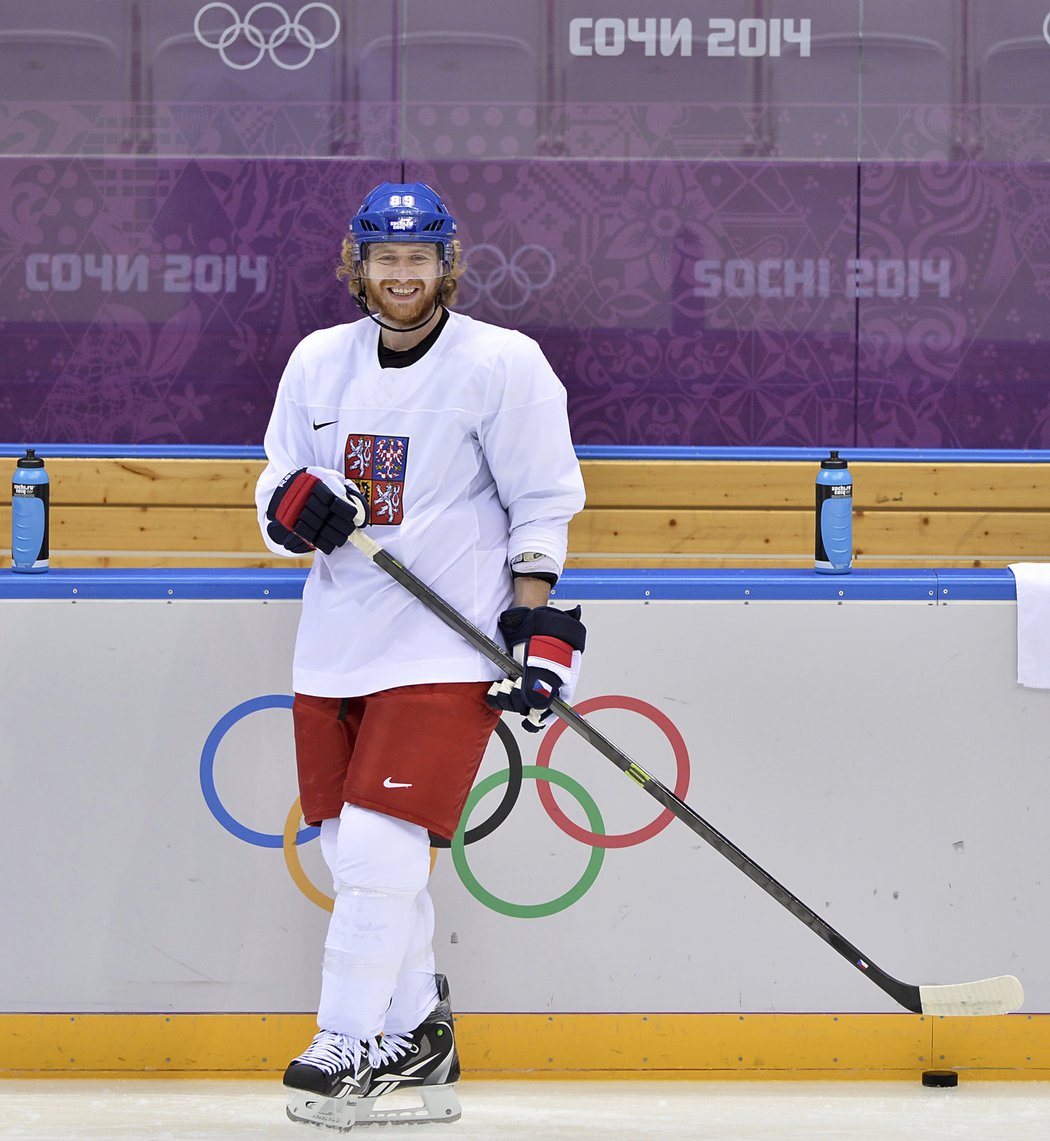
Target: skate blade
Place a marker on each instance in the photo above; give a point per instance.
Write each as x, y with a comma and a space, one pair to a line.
434, 1103
337, 1114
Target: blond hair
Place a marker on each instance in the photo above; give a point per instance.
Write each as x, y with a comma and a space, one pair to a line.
350, 271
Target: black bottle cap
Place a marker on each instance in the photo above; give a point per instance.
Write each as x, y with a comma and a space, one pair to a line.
833, 461
30, 459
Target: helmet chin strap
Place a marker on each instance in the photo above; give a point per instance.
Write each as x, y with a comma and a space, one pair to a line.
363, 304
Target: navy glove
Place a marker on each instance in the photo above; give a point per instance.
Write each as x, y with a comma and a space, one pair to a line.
306, 514
547, 644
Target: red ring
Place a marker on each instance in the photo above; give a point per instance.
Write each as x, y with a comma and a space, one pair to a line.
624, 839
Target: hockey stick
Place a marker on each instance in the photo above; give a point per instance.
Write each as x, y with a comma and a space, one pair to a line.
998, 995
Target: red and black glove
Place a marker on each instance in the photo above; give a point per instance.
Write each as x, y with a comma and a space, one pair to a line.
547, 644
306, 514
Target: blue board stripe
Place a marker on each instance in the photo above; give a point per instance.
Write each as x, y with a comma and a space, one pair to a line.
744, 585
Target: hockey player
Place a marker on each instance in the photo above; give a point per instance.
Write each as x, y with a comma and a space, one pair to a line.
451, 436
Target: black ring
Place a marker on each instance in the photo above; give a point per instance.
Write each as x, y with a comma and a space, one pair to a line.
509, 799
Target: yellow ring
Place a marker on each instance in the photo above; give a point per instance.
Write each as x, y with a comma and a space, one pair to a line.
294, 865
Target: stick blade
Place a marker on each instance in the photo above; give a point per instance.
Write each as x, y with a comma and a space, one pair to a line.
1000, 995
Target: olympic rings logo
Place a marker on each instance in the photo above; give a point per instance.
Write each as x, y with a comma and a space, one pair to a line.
508, 284
267, 43
595, 836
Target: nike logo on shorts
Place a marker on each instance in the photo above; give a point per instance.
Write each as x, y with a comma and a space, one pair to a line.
388, 783
326, 424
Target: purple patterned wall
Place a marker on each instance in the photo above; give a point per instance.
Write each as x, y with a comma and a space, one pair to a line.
748, 225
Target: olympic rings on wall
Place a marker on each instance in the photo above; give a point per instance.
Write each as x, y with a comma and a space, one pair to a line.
267, 43
507, 284
512, 777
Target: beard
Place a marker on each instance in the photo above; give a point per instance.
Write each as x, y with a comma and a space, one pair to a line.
403, 312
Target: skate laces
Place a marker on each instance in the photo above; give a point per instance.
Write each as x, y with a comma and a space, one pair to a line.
332, 1052
393, 1047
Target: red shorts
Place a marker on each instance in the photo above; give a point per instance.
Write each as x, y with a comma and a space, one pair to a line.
410, 752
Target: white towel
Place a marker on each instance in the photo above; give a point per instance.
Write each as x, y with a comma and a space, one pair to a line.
1033, 623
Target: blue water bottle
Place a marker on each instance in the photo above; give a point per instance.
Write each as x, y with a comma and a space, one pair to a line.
834, 545
30, 508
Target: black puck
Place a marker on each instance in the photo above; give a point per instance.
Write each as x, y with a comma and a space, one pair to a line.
940, 1079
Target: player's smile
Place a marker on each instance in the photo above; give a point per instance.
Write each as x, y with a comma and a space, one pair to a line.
403, 302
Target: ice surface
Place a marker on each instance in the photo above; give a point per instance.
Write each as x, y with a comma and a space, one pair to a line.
172, 1109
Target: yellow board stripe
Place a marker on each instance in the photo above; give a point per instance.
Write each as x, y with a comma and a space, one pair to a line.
779, 1046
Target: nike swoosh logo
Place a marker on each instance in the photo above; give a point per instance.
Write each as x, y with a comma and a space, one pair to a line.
326, 424
388, 783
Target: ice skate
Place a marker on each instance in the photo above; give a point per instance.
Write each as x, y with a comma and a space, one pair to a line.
326, 1080
423, 1063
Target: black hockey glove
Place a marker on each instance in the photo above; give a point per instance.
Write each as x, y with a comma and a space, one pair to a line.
305, 513
547, 644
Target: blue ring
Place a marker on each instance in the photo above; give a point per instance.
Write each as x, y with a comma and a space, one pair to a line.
207, 774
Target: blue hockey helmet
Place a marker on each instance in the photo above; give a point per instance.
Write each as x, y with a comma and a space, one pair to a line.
403, 212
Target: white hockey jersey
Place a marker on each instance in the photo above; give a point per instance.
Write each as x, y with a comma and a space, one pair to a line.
466, 460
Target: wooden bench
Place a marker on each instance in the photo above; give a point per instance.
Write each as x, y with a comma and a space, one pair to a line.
719, 513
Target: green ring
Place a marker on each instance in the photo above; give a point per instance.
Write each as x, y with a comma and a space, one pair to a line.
529, 910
